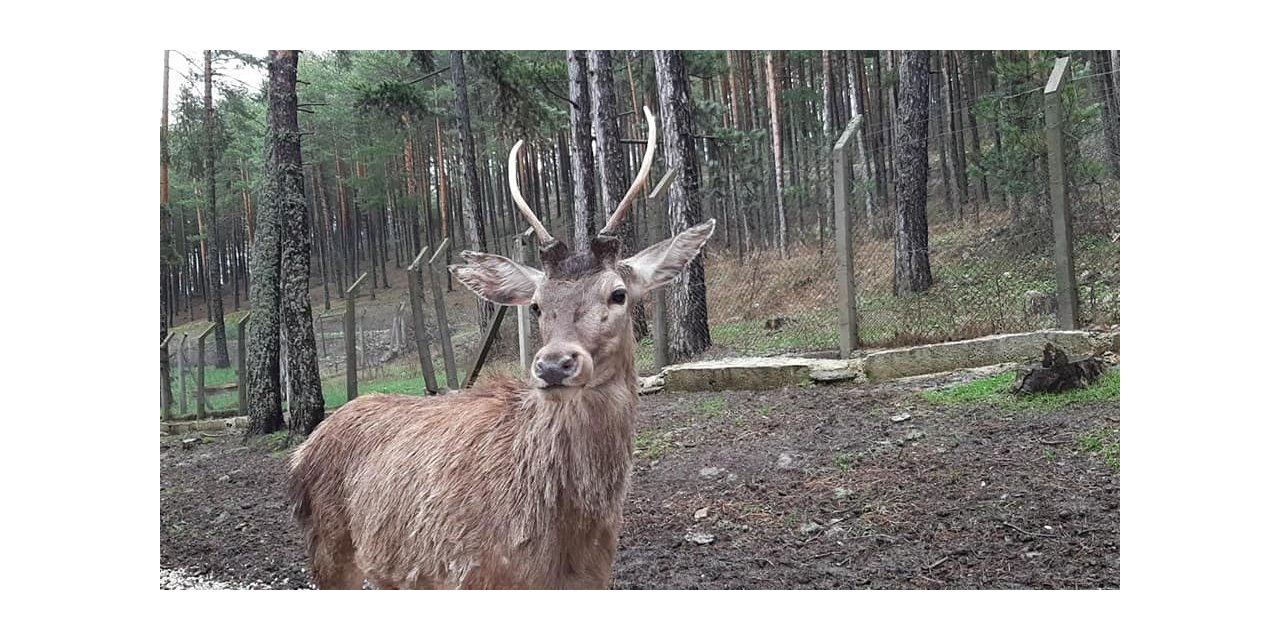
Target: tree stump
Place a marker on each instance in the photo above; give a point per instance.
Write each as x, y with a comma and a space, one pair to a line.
1057, 372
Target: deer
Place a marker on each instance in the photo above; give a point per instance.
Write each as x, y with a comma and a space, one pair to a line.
514, 483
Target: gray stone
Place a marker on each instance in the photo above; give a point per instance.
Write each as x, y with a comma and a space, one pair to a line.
785, 460
978, 352
901, 417
698, 537
809, 527
754, 374
700, 513
710, 472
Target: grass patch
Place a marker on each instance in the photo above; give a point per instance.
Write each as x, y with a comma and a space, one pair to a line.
1104, 441
653, 445
844, 461
996, 390
711, 407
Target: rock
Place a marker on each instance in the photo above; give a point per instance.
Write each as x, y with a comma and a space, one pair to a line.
187, 443
785, 460
700, 513
809, 527
710, 472
914, 434
698, 537
901, 417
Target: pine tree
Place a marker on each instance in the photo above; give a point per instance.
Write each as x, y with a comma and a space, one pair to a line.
306, 402
221, 358
911, 158
689, 332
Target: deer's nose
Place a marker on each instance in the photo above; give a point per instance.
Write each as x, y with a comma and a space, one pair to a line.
554, 368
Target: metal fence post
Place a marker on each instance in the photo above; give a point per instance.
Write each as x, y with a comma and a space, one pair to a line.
442, 318
847, 300
242, 382
419, 323
353, 387
1063, 237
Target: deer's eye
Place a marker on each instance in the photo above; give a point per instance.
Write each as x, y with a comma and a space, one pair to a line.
619, 296
537, 311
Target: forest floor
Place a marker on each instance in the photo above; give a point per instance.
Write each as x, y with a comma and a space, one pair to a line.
938, 482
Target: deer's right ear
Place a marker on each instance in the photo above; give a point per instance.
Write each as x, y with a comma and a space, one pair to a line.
662, 262
496, 278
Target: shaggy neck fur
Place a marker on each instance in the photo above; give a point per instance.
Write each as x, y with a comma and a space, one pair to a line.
576, 446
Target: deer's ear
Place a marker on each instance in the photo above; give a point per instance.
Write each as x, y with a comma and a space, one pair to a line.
662, 262
496, 278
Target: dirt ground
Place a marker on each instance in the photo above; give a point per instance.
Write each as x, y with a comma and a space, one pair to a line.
804, 488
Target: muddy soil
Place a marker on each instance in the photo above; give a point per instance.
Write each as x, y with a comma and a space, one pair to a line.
808, 488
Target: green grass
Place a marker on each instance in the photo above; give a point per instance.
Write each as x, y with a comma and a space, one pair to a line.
652, 445
818, 330
996, 390
843, 461
711, 407
1104, 441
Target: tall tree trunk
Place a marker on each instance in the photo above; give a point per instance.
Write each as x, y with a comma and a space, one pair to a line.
689, 332
613, 165
956, 122
263, 353
221, 358
940, 129
306, 403
968, 100
880, 134
775, 126
166, 390
472, 217
911, 237
580, 153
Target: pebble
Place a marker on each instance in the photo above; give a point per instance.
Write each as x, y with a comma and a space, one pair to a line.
698, 537
710, 472
178, 579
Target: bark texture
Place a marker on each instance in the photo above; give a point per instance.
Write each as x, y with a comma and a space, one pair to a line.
306, 402
263, 354
472, 219
688, 330
581, 157
911, 160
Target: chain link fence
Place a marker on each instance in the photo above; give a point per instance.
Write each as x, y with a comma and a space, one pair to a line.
990, 248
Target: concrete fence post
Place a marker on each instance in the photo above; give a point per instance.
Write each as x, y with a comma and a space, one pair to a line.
1063, 237
353, 386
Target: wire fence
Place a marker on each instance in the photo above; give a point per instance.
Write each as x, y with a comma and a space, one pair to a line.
990, 255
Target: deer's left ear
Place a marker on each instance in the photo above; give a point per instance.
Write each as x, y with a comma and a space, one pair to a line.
497, 279
662, 262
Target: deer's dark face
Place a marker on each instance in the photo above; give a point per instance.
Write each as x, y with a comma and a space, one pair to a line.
582, 301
